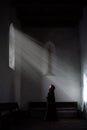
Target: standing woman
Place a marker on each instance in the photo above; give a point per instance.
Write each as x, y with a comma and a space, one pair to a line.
51, 106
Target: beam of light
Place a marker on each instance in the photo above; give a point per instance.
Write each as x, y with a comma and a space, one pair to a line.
25, 47
31, 51
31, 60
84, 88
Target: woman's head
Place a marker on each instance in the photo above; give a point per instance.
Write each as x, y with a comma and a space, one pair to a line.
52, 87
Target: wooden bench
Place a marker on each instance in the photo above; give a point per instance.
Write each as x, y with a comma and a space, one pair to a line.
59, 105
67, 108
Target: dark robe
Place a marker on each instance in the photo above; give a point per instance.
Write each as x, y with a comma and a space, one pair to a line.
51, 106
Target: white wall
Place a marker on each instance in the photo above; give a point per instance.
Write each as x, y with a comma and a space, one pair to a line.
66, 65
31, 61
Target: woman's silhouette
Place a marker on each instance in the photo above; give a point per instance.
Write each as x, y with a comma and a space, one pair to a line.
51, 106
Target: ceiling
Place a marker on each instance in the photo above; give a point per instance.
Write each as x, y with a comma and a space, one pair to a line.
45, 14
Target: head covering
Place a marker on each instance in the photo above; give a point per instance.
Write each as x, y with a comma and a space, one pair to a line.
51, 87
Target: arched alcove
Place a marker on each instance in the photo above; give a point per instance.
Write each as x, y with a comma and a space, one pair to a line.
50, 55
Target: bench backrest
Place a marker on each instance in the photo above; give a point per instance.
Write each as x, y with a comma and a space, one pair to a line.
8, 106
58, 105
66, 104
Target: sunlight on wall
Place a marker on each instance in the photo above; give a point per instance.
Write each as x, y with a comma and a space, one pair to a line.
50, 55
85, 88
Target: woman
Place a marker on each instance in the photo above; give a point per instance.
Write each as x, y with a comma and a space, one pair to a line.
51, 106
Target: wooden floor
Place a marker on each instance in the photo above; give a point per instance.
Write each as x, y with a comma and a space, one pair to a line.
62, 124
